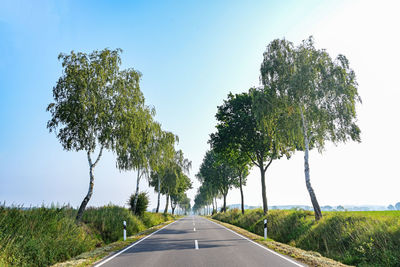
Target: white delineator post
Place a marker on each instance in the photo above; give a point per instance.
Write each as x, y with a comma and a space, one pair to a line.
124, 230
265, 229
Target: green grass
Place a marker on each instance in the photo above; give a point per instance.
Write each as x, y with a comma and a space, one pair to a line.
369, 238
44, 236
107, 221
373, 214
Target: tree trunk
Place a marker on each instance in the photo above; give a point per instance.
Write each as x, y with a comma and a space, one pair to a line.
158, 197
241, 193
263, 190
88, 196
173, 206
91, 184
317, 209
224, 207
216, 204
166, 204
137, 191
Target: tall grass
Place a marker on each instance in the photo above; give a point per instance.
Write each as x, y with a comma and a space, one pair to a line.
41, 236
44, 236
107, 221
357, 238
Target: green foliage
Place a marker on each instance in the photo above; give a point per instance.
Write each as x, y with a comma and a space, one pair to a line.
217, 177
151, 219
107, 221
308, 80
239, 127
94, 100
42, 236
170, 177
184, 203
356, 238
141, 205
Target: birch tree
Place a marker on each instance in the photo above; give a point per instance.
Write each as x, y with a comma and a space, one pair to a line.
164, 146
166, 177
138, 150
178, 193
320, 95
92, 100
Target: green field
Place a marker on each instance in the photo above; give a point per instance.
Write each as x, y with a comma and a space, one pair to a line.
361, 238
373, 214
44, 236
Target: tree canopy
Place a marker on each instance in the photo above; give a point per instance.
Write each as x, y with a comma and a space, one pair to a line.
254, 141
217, 176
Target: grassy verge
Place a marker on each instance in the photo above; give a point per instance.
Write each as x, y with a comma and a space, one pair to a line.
91, 257
308, 257
47, 235
355, 238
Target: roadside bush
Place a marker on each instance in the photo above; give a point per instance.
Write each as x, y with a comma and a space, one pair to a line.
141, 205
151, 219
287, 226
250, 218
107, 221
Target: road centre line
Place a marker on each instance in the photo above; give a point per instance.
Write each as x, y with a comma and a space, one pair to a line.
255, 243
134, 244
194, 229
196, 245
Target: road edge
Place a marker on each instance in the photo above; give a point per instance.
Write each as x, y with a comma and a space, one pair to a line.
110, 257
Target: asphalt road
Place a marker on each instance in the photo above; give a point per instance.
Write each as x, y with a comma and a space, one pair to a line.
196, 241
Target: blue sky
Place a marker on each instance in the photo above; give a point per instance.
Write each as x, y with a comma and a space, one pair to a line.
191, 54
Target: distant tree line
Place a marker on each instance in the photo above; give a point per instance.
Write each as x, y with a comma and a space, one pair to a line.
395, 207
97, 106
306, 99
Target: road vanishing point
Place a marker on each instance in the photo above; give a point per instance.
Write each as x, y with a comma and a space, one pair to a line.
196, 241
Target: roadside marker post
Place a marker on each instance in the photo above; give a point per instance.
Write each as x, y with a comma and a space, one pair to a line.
124, 230
265, 229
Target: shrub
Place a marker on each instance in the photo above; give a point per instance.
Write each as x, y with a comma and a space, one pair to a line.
151, 219
107, 221
141, 205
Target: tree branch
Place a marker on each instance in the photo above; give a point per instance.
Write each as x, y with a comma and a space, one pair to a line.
251, 158
98, 157
266, 167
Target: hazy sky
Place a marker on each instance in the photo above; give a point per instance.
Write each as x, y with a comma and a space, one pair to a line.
191, 56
